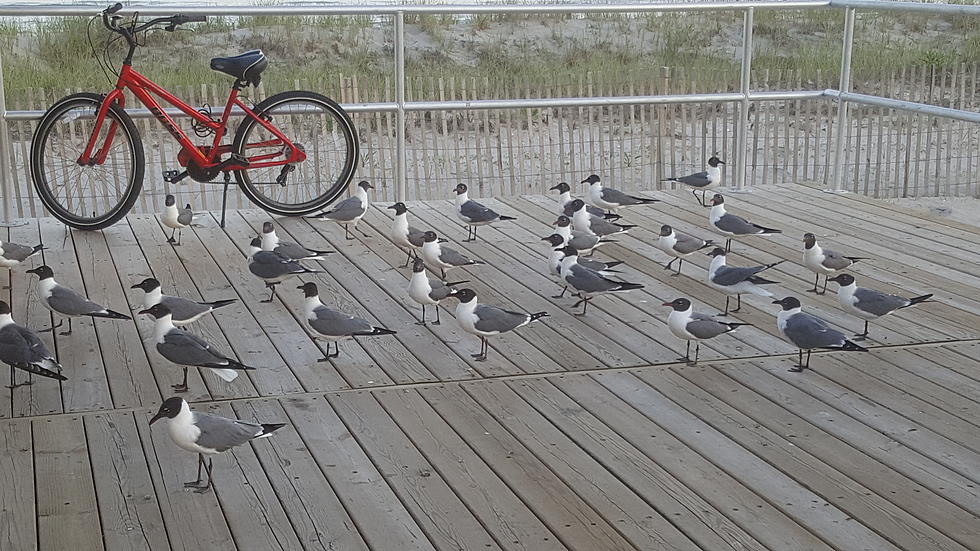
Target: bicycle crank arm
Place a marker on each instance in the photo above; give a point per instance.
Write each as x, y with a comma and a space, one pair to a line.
172, 176
286, 169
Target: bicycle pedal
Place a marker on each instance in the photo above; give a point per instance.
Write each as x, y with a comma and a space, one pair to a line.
173, 176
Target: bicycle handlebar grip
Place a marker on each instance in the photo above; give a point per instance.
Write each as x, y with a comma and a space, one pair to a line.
196, 18
113, 8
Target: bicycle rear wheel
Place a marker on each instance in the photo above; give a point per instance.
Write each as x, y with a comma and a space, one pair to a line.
86, 197
324, 131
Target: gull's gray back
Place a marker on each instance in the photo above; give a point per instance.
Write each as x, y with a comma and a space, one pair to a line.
736, 225
834, 260
220, 433
185, 216
878, 303
807, 331
183, 348
333, 323
493, 319
18, 345
476, 212
346, 210
453, 257
686, 243
13, 251
698, 179
611, 195
183, 309
292, 250
70, 303
588, 281
729, 275
268, 265
703, 327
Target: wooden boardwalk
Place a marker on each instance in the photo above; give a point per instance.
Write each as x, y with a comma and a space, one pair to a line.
577, 433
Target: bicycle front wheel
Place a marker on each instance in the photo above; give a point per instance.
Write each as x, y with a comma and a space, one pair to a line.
314, 123
88, 196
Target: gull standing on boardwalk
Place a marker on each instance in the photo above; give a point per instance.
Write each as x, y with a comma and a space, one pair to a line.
689, 325
583, 241
565, 204
679, 245
188, 350
823, 262
557, 243
869, 304
807, 332
427, 291
584, 222
350, 210
272, 267
587, 283
486, 321
183, 311
731, 225
474, 214
176, 219
609, 198
62, 300
405, 236
292, 251
12, 254
444, 258
735, 281
207, 434
20, 348
334, 326
703, 181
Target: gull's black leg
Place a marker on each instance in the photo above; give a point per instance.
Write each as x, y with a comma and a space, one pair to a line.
585, 306
360, 230
482, 356
824, 292
437, 322
862, 336
680, 264
347, 234
336, 349
272, 292
808, 358
725, 313
739, 307
423, 315
13, 379
799, 364
182, 387
207, 486
408, 260
728, 245
815, 281
171, 238
53, 327
565, 288
700, 200
196, 483
669, 264
687, 353
697, 352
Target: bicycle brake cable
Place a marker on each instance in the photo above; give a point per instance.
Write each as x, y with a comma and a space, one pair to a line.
95, 53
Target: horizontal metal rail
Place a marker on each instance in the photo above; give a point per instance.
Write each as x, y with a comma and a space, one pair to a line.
903, 105
908, 7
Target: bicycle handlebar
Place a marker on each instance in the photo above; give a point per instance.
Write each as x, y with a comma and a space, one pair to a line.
109, 19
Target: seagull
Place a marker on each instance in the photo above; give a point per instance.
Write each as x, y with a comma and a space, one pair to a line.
474, 214
731, 225
334, 326
62, 300
12, 254
427, 291
808, 332
823, 262
188, 350
704, 181
485, 321
183, 311
176, 219
557, 243
735, 281
584, 242
679, 245
20, 348
444, 258
588, 283
869, 304
612, 199
204, 433
350, 210
272, 267
565, 199
689, 325
405, 236
584, 222
292, 251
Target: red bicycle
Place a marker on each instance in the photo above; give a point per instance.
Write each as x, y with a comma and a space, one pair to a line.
292, 154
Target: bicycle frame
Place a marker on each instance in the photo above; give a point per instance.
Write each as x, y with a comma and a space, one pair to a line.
144, 89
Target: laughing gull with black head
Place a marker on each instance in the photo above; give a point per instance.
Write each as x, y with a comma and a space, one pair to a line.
272, 267
185, 349
12, 254
709, 179
587, 283
444, 258
183, 311
689, 325
334, 326
485, 321
565, 204
292, 251
474, 214
349, 211
869, 304
175, 218
557, 243
207, 434
583, 241
62, 300
679, 245
808, 332
584, 222
20, 348
611, 199
428, 292
735, 281
731, 225
823, 262
405, 236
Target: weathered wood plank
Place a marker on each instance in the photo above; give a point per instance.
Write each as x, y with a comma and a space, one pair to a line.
18, 529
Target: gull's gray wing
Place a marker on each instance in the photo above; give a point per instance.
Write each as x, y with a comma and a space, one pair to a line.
611, 195
221, 433
346, 210
736, 225
416, 236
601, 226
594, 211
268, 265
687, 243
13, 251
878, 303
728, 275
594, 265
698, 179
588, 281
185, 216
439, 289
19, 345
704, 327
332, 323
835, 261
293, 251
453, 257
583, 241
183, 309
476, 212
70, 303
493, 319
183, 348
807, 331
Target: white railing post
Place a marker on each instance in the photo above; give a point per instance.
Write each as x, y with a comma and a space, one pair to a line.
5, 151
400, 168
742, 142
845, 86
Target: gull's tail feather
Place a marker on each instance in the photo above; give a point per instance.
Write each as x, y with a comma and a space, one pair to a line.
228, 375
219, 303
538, 315
109, 314
49, 370
502, 217
376, 332
269, 428
851, 347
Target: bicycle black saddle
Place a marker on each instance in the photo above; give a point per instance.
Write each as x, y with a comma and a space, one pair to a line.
246, 67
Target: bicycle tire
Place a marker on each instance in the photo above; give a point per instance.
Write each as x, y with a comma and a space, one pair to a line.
40, 181
345, 127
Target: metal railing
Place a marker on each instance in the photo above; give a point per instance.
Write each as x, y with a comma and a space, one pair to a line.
744, 97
